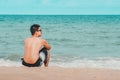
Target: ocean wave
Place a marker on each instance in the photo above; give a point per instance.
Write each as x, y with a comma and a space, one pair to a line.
112, 63
78, 63
9, 63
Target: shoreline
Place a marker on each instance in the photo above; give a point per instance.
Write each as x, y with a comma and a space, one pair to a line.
57, 73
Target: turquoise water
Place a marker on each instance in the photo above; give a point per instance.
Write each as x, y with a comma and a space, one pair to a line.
76, 40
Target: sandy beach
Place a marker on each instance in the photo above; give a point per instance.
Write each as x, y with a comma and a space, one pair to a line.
57, 73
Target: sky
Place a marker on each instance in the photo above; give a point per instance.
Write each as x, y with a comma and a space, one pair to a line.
60, 7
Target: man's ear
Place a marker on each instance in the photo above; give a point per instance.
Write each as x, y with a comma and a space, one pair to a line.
35, 32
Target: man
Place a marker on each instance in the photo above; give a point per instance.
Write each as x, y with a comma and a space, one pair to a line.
32, 46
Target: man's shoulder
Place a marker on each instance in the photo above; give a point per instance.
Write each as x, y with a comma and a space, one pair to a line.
26, 38
41, 39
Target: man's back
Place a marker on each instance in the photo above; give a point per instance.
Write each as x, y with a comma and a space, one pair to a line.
32, 46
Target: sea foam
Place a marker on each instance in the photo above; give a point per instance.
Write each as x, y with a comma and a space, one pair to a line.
81, 63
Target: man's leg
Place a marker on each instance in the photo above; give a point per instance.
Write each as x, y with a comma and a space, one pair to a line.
48, 59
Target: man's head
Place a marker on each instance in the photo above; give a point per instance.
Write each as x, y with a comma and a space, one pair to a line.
35, 30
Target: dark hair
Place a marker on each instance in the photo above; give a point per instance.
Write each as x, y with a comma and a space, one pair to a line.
34, 28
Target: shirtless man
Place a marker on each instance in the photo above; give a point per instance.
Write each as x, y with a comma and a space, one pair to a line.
32, 46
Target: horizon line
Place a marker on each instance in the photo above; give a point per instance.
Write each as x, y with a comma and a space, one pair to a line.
59, 14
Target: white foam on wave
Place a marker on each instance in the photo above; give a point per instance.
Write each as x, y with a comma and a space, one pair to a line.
87, 63
77, 63
9, 63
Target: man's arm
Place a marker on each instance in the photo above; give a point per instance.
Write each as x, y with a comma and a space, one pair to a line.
46, 45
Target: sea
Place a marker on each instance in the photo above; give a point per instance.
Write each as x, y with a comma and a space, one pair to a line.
77, 41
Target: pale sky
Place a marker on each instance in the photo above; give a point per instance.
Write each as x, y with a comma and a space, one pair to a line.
60, 7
